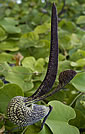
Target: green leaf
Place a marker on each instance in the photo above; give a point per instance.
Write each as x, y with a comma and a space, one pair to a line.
61, 57
67, 25
79, 82
79, 121
39, 65
9, 25
74, 64
7, 93
43, 43
81, 20
9, 45
75, 41
63, 65
3, 34
6, 57
79, 54
8, 20
18, 75
59, 117
29, 39
78, 63
29, 62
64, 40
11, 29
42, 28
42, 51
69, 3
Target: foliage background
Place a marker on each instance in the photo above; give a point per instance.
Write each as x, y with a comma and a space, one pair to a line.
24, 54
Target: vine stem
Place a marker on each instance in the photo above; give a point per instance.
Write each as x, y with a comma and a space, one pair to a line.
76, 98
23, 132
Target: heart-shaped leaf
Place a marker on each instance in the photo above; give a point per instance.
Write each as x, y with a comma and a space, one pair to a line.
59, 118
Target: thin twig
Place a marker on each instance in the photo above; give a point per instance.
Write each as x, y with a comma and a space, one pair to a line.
62, 10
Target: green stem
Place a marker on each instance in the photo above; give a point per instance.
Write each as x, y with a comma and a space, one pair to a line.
75, 98
23, 132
